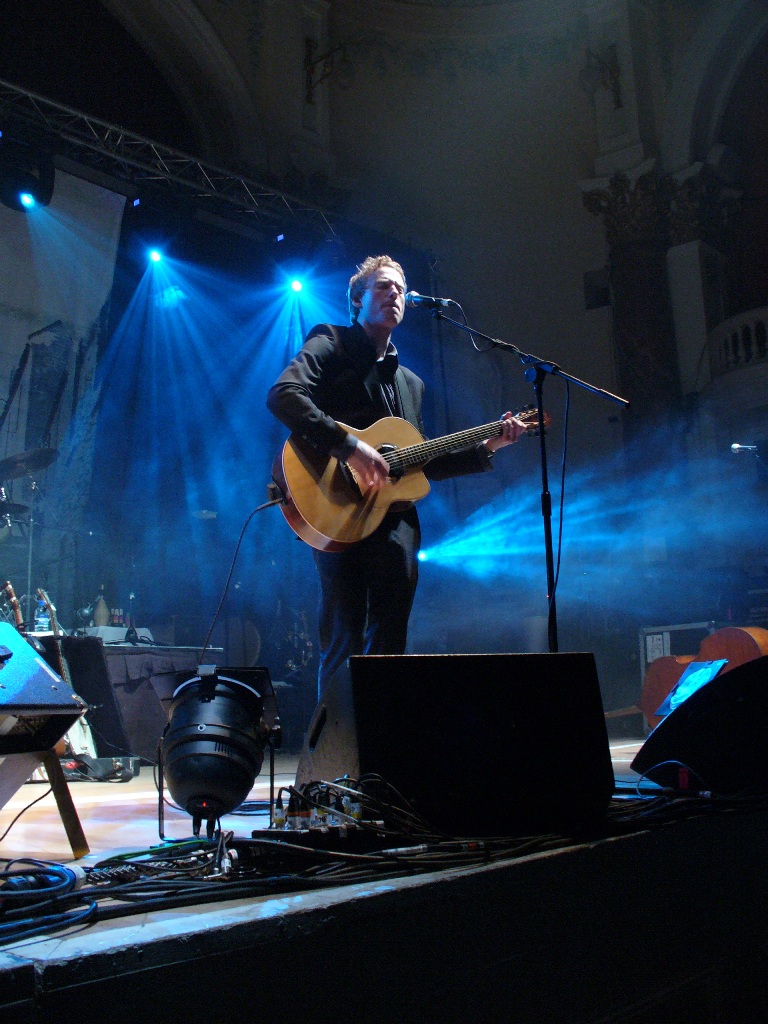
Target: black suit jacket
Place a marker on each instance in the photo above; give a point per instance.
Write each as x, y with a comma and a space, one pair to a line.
333, 378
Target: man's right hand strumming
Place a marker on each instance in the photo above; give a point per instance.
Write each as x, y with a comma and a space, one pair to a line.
370, 469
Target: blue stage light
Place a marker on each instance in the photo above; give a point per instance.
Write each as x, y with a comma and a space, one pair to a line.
27, 176
155, 255
296, 285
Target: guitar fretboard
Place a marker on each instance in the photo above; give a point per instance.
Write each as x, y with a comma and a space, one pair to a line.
420, 454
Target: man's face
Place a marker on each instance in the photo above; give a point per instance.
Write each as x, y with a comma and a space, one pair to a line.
382, 304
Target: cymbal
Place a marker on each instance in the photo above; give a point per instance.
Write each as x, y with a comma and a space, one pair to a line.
11, 508
25, 462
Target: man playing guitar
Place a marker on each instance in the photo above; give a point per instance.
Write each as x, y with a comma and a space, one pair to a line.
342, 381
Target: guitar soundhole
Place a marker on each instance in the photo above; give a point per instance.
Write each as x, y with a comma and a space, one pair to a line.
351, 481
396, 470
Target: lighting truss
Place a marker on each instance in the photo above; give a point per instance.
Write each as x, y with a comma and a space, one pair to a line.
150, 167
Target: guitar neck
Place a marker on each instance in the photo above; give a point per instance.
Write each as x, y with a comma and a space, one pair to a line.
13, 601
51, 610
420, 454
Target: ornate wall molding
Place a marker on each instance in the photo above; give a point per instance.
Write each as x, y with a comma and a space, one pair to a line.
665, 210
632, 211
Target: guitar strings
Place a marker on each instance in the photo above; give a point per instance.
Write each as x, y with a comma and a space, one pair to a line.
415, 454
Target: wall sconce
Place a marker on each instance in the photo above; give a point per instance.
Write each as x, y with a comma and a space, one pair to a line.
334, 62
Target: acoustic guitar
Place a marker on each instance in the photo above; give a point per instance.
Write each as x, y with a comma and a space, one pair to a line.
323, 504
736, 644
10, 596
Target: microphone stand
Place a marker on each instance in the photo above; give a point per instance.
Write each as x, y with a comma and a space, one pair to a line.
536, 372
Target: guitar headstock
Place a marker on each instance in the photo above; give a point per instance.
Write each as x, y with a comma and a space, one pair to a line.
529, 415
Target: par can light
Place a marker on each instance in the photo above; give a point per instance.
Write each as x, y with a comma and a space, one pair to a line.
221, 721
27, 175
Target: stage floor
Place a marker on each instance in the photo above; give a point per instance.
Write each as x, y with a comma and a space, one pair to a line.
124, 816
117, 816
541, 936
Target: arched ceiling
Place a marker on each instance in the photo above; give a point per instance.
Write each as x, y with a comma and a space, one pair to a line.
90, 63
156, 68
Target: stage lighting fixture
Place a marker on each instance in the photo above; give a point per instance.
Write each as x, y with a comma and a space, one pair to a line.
296, 285
220, 724
155, 255
26, 176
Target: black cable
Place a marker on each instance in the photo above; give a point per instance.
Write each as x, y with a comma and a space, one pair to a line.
259, 508
662, 764
118, 776
121, 752
398, 819
51, 922
36, 881
24, 811
198, 871
471, 333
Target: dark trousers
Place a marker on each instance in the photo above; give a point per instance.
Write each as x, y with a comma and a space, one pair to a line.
366, 594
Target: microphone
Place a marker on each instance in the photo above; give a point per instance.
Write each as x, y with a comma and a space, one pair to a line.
738, 448
414, 299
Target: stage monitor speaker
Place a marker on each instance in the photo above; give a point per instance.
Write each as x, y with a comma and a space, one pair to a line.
718, 736
90, 677
37, 707
128, 689
480, 744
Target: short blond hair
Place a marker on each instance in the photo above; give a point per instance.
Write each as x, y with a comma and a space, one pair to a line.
359, 280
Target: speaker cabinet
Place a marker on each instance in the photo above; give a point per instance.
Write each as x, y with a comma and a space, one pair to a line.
719, 734
128, 689
36, 709
480, 744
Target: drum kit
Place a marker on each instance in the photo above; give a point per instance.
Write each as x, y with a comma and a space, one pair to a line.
14, 467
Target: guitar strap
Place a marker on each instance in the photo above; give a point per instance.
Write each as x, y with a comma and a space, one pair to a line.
405, 398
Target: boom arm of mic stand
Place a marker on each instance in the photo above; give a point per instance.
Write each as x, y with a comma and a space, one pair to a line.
543, 365
536, 370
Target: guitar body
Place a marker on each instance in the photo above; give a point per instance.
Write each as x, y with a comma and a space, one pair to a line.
322, 502
323, 505
736, 644
739, 644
